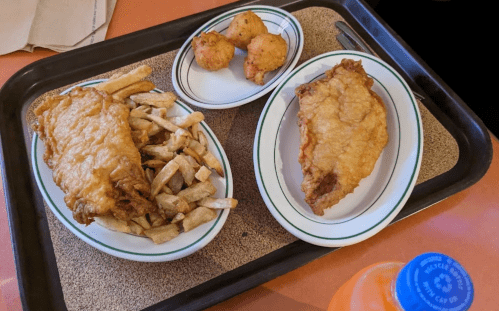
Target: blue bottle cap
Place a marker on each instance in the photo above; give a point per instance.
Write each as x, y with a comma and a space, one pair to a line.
434, 281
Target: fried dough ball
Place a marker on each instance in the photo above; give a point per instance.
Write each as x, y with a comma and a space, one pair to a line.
266, 52
244, 27
212, 50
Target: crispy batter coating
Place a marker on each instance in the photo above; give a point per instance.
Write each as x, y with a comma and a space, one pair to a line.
244, 27
343, 132
90, 150
266, 52
212, 50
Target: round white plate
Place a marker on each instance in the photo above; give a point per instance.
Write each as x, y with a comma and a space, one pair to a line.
378, 198
228, 87
125, 245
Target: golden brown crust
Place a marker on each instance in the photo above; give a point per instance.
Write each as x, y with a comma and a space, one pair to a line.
266, 52
212, 51
90, 150
343, 132
244, 27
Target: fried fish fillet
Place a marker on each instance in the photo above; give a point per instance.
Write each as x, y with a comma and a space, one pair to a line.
90, 150
343, 131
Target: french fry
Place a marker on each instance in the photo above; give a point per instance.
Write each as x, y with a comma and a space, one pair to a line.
164, 100
140, 138
158, 152
197, 147
163, 234
203, 173
187, 120
177, 141
198, 217
193, 154
185, 168
195, 131
149, 175
159, 112
167, 201
143, 108
154, 163
112, 85
167, 190
116, 75
154, 129
163, 177
176, 182
202, 139
141, 124
137, 87
192, 205
210, 160
178, 218
156, 220
198, 191
163, 123
217, 203
192, 161
130, 103
170, 205
135, 228
158, 120
113, 223
142, 221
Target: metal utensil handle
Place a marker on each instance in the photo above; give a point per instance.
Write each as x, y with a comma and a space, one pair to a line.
345, 42
349, 31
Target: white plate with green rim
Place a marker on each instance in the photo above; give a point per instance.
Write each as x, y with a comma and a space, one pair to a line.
124, 245
228, 87
378, 198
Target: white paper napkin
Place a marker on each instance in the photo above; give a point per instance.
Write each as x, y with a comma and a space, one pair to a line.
59, 25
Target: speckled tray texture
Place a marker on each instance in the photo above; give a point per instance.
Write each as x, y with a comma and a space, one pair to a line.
93, 280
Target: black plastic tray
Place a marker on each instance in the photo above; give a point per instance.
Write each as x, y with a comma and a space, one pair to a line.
39, 282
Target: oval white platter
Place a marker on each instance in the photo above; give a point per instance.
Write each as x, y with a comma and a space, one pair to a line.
228, 87
128, 246
378, 198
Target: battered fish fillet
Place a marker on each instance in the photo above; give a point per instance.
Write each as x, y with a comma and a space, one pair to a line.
343, 132
90, 150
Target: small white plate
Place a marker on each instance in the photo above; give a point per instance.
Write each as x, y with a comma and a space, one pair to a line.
125, 245
378, 198
228, 87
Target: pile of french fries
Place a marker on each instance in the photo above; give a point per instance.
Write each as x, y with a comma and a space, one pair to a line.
175, 158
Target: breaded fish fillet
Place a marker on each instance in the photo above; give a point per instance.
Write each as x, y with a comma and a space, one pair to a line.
343, 132
90, 150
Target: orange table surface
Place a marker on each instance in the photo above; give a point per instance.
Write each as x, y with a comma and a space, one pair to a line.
464, 226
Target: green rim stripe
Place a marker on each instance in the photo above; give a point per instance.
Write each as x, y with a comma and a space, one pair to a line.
117, 249
389, 179
190, 94
184, 52
413, 172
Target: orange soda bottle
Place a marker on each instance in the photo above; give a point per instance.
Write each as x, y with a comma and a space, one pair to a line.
431, 281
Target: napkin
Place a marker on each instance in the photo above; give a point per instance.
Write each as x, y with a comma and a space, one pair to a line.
59, 25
